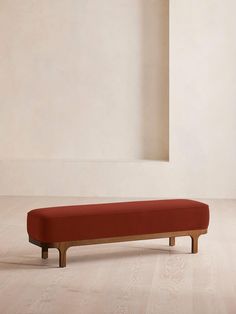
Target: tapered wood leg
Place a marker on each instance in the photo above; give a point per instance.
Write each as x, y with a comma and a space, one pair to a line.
195, 243
44, 252
62, 256
171, 241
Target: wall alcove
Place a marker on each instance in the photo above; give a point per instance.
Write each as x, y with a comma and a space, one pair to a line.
90, 80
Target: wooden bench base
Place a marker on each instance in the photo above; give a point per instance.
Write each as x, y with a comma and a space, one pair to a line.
63, 246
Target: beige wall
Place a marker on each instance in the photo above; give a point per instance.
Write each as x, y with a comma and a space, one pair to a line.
202, 120
84, 79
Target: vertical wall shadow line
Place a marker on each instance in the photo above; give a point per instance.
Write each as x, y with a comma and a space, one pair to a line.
155, 80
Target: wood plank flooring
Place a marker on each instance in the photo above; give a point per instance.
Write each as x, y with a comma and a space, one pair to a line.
141, 277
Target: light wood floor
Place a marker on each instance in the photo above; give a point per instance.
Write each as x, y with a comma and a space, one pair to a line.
142, 277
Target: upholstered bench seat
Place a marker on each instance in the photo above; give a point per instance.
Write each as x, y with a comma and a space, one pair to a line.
65, 226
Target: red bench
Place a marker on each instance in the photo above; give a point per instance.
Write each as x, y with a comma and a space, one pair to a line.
65, 226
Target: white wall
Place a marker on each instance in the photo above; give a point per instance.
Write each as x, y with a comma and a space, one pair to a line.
202, 123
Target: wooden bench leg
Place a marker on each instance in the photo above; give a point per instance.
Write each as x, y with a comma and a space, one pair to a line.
194, 238
171, 241
44, 252
62, 255
63, 246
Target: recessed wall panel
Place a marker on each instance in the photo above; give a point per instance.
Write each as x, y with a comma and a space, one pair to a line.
84, 79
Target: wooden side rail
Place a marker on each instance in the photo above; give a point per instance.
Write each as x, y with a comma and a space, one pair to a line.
63, 246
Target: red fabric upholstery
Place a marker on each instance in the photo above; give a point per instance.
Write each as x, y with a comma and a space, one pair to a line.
80, 222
